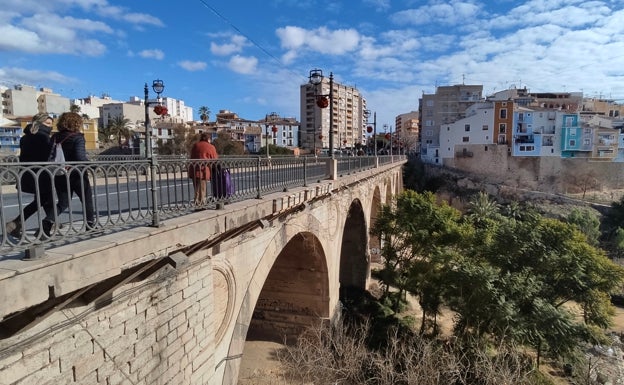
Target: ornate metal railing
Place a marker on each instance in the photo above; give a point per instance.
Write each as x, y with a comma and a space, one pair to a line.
129, 191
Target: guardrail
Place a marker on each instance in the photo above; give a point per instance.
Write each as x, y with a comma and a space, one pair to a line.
129, 191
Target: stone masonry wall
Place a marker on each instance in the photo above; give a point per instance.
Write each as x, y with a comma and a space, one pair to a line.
156, 331
548, 174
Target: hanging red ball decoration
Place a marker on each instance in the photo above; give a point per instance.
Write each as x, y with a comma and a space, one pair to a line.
160, 110
322, 102
387, 136
274, 129
344, 141
321, 136
369, 129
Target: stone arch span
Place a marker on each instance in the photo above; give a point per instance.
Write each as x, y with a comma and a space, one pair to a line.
295, 293
354, 263
374, 245
287, 293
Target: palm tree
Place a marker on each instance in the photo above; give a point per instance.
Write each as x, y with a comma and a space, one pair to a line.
119, 126
481, 208
204, 113
74, 108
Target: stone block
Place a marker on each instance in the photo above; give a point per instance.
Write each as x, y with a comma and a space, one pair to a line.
24, 367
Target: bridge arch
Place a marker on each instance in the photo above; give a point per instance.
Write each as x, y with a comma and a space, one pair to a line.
295, 293
354, 263
290, 293
374, 245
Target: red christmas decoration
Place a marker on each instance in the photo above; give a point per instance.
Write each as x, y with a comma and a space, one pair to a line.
322, 102
387, 136
344, 141
274, 129
369, 129
321, 136
160, 110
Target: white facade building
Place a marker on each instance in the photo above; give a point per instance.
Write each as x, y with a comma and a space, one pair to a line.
476, 128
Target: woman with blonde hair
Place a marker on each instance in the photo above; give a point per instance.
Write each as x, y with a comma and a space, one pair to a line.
35, 147
77, 181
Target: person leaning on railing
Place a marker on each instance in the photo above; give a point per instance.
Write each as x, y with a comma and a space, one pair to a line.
200, 172
35, 147
73, 143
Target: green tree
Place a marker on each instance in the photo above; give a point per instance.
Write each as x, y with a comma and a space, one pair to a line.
517, 286
74, 108
482, 210
119, 127
226, 146
418, 238
587, 222
204, 113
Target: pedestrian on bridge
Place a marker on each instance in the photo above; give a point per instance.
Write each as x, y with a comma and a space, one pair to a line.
77, 181
198, 169
35, 147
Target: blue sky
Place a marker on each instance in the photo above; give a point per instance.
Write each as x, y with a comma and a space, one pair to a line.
250, 57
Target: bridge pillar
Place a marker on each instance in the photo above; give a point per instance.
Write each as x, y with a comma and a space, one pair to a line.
332, 168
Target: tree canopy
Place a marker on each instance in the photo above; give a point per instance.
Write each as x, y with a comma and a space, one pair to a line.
515, 278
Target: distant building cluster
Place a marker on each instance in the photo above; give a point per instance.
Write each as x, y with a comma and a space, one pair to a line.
450, 124
457, 120
21, 102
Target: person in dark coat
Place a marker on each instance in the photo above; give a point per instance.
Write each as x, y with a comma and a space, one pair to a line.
198, 171
77, 180
35, 147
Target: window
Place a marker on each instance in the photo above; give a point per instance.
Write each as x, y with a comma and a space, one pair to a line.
429, 103
572, 142
585, 142
573, 132
503, 113
466, 139
467, 127
502, 128
428, 123
428, 133
485, 127
569, 121
429, 141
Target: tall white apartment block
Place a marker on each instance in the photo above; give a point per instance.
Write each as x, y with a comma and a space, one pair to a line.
348, 116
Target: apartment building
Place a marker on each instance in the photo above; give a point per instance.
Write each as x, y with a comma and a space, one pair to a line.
347, 110
22, 100
407, 128
447, 105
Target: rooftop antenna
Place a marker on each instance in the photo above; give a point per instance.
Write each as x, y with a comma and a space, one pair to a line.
463, 79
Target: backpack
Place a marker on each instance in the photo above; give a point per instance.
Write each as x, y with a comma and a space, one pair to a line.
57, 156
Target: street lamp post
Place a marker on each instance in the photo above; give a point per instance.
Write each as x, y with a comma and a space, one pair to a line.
158, 86
268, 119
375, 132
316, 78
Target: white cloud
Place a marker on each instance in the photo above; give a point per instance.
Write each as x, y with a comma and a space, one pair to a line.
192, 65
322, 40
445, 13
14, 75
152, 54
379, 5
236, 44
243, 64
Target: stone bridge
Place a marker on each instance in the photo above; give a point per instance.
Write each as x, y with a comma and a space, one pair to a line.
175, 304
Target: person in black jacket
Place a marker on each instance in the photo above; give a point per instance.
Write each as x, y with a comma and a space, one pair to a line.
35, 147
77, 181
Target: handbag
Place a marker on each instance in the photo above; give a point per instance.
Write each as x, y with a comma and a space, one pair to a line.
58, 156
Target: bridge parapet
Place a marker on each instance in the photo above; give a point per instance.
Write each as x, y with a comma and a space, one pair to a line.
151, 303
